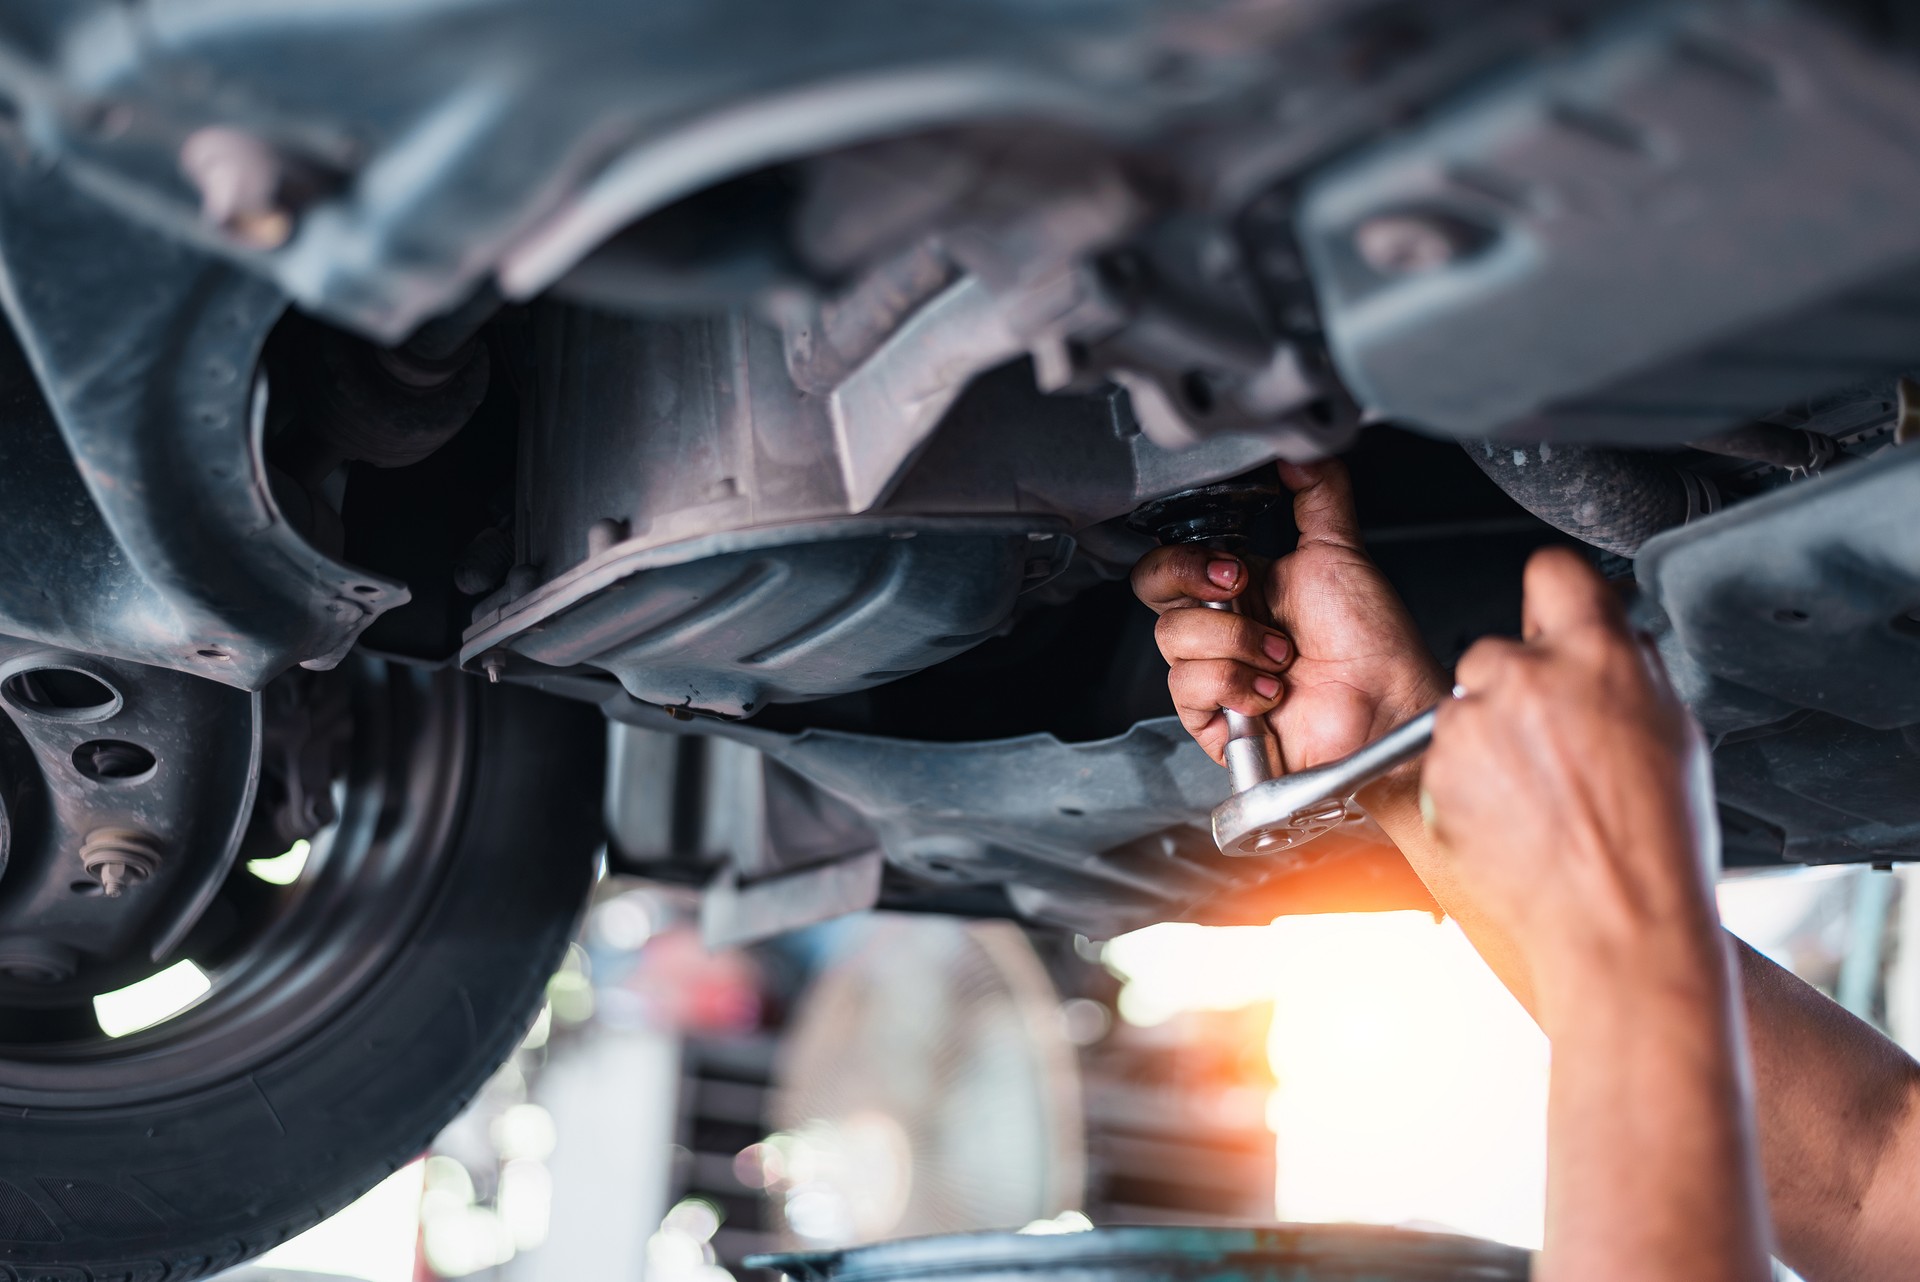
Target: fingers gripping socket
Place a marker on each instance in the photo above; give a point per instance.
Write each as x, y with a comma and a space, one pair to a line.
1217, 516
1252, 755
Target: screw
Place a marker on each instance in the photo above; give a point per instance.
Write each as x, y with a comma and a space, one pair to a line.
1406, 244
493, 664
118, 858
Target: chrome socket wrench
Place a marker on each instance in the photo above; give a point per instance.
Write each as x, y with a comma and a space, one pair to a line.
1253, 755
1279, 814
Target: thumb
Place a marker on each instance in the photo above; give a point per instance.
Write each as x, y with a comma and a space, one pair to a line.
1562, 592
1322, 502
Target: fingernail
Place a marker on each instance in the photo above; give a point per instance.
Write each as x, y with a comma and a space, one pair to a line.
1277, 647
1266, 687
1223, 574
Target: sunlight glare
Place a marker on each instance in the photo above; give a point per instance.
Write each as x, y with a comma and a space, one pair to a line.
1412, 1087
373, 1239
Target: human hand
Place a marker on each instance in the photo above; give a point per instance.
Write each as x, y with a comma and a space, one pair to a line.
1342, 662
1570, 794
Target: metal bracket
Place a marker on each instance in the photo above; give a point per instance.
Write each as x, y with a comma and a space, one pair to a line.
733, 912
155, 518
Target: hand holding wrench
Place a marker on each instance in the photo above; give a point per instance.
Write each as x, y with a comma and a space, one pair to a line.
1269, 814
1280, 814
1217, 516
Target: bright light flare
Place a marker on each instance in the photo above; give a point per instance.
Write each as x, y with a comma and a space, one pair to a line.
373, 1239
151, 1000
284, 868
1412, 1087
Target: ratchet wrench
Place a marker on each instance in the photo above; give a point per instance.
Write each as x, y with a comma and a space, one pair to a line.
1282, 813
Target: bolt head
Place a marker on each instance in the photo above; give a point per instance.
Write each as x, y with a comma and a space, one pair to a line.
118, 857
1210, 513
37, 961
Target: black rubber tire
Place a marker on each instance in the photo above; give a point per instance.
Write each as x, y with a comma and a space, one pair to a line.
192, 1186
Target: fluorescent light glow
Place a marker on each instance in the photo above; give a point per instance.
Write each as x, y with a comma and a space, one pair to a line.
285, 868
153, 999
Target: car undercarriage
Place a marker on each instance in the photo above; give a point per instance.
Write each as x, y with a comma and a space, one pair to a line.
453, 435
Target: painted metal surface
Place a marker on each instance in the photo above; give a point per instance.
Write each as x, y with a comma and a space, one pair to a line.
139, 519
1700, 213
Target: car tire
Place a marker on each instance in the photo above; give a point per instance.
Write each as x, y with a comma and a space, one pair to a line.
182, 1184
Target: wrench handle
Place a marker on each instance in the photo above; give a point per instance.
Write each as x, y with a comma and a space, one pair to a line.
1286, 811
1394, 748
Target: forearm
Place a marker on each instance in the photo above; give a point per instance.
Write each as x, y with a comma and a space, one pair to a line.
1837, 1105
1651, 1164
1839, 1131
1649, 1101
1395, 806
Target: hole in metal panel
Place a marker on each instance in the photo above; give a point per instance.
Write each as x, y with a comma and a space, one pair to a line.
66, 694
113, 760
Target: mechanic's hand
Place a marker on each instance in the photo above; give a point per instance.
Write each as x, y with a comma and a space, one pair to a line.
1342, 663
1570, 794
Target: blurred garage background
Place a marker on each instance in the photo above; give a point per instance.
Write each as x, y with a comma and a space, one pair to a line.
675, 1109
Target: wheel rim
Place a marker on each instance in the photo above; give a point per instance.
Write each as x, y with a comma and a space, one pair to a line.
310, 950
